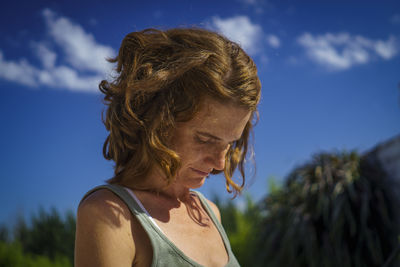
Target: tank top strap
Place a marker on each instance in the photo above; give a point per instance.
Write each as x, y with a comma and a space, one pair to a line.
165, 253
216, 222
121, 193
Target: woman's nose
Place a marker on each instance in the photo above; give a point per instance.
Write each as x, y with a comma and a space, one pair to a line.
218, 159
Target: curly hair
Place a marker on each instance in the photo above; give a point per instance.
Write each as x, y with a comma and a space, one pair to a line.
162, 78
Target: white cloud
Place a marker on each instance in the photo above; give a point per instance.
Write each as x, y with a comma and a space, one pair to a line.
342, 51
93, 21
395, 19
66, 77
47, 56
256, 4
387, 49
249, 2
157, 14
20, 71
248, 35
273, 41
241, 30
80, 49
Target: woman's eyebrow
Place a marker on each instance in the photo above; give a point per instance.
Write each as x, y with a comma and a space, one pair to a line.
209, 135
213, 136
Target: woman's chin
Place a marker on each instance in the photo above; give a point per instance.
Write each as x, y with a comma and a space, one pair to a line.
197, 182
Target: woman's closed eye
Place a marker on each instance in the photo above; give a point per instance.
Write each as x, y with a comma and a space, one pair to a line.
211, 142
203, 140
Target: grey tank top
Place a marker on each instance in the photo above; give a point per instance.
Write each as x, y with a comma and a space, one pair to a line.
165, 253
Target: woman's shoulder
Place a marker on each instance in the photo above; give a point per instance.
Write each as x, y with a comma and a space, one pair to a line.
102, 200
212, 205
104, 225
105, 205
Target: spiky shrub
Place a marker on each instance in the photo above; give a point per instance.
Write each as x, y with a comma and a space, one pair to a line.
337, 210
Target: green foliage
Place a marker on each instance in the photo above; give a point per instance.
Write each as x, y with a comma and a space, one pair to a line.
3, 233
12, 255
242, 228
47, 241
49, 235
273, 185
337, 210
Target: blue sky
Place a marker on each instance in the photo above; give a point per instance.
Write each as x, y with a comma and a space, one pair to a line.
330, 72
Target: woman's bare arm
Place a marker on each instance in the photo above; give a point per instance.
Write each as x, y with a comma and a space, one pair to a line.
103, 233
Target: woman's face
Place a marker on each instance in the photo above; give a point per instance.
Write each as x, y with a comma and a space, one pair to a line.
203, 141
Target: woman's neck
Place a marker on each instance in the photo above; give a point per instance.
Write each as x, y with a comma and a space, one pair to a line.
157, 184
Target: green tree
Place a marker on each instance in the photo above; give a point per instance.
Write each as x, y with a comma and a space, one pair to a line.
12, 255
242, 228
4, 233
337, 210
48, 235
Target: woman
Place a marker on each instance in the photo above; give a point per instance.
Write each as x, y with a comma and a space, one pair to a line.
179, 110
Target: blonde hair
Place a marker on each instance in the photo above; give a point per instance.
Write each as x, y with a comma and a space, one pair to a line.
163, 76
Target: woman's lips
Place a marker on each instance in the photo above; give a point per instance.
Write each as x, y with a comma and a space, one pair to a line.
200, 172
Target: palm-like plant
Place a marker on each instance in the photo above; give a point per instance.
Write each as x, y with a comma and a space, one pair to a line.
337, 210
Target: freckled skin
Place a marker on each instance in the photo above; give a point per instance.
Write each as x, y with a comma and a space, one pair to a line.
201, 152
108, 234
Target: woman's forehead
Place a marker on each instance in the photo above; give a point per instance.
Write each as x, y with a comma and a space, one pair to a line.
223, 120
217, 110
